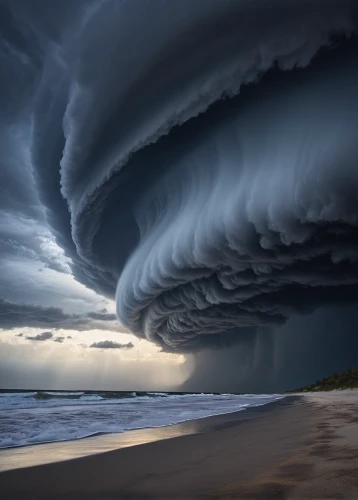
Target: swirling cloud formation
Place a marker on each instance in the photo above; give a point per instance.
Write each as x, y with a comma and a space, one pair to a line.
196, 159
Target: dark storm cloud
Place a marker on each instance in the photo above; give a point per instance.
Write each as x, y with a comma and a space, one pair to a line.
305, 349
21, 238
17, 315
32, 38
41, 336
109, 344
210, 207
103, 316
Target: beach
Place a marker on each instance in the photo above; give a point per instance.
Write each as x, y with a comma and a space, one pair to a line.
303, 446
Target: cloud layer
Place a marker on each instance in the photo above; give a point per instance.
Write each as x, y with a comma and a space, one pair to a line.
14, 315
200, 167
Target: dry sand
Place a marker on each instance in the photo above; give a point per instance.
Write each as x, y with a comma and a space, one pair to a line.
300, 447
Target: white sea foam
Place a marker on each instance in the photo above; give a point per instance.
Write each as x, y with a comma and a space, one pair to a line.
26, 420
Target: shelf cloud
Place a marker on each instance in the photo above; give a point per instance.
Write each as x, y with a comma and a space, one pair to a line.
199, 167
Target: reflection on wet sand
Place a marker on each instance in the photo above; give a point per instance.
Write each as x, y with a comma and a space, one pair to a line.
28, 456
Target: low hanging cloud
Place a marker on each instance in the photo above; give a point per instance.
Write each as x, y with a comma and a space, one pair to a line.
109, 344
41, 337
102, 316
211, 198
20, 315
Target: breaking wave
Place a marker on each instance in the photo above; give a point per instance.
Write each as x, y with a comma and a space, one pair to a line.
64, 417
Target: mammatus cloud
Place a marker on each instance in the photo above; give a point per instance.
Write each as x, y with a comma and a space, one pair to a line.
109, 344
41, 336
20, 315
207, 176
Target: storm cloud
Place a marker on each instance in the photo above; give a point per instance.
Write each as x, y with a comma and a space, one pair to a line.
200, 167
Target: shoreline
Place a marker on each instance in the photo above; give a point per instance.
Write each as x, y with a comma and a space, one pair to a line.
36, 454
303, 446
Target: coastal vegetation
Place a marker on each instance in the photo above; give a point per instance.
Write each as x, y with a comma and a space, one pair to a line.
343, 380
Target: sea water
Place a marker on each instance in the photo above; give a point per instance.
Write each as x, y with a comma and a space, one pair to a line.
33, 417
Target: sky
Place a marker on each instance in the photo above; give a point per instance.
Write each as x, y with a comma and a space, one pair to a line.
178, 196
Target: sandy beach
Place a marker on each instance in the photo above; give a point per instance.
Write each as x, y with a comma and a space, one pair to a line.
300, 447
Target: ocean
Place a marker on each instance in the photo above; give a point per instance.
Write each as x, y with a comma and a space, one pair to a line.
35, 417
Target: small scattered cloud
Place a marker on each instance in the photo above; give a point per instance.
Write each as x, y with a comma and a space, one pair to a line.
109, 344
19, 335
60, 340
41, 336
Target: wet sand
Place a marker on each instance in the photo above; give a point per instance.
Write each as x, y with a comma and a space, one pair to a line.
300, 447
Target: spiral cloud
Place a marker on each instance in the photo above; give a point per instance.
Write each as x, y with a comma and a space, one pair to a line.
196, 160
